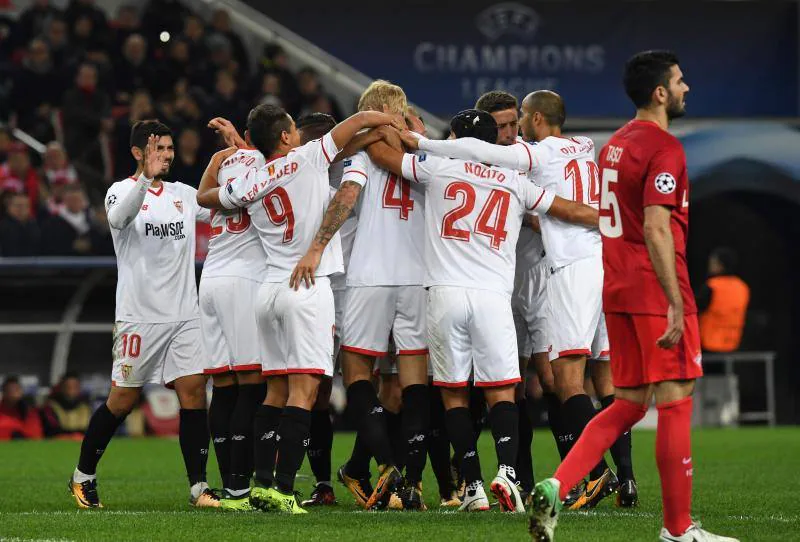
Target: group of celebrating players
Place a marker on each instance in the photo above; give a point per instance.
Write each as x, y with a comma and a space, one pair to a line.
442, 267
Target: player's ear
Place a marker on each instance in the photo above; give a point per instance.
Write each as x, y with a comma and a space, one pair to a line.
660, 95
137, 153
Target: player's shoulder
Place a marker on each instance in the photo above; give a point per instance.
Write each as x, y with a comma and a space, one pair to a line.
358, 159
121, 185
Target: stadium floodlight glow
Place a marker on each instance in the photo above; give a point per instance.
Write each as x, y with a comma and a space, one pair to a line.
164, 36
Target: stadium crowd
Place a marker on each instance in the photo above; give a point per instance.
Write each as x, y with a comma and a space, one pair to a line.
77, 81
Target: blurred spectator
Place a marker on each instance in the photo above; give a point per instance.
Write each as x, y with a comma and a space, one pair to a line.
86, 35
221, 24
7, 38
58, 173
312, 94
5, 143
133, 71
102, 243
178, 66
220, 57
188, 166
722, 303
194, 32
126, 24
225, 101
86, 112
18, 175
269, 93
274, 60
141, 108
62, 52
19, 419
69, 233
37, 89
67, 411
189, 112
33, 21
78, 9
19, 234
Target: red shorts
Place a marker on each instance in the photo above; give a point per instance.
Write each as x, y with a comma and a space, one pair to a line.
637, 360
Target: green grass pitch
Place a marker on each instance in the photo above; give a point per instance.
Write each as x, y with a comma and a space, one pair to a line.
745, 485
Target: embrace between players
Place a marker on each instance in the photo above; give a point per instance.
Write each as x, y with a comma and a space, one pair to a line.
444, 256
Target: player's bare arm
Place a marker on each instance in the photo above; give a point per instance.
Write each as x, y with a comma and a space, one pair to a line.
122, 213
208, 191
533, 222
363, 140
227, 130
386, 157
661, 248
343, 132
338, 210
571, 211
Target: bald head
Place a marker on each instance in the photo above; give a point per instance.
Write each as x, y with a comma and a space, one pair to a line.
549, 104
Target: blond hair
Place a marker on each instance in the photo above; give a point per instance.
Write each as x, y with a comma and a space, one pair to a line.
380, 93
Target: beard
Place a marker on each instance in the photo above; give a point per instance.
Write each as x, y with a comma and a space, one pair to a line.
164, 173
676, 108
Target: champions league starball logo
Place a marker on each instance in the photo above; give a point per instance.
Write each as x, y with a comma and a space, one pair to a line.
508, 18
665, 183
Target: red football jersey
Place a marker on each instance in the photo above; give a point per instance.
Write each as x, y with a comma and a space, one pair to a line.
641, 165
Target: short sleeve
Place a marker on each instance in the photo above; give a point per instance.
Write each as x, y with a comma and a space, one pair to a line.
201, 213
116, 192
355, 169
319, 152
665, 170
536, 199
241, 190
420, 168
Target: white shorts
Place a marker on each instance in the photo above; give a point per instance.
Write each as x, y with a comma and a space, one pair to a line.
296, 328
575, 321
156, 353
339, 288
228, 322
372, 313
471, 332
528, 306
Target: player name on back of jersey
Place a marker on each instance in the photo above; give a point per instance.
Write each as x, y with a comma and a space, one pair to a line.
484, 172
174, 230
582, 145
275, 172
239, 158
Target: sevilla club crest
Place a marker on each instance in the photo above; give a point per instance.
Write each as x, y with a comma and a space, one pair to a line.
178, 205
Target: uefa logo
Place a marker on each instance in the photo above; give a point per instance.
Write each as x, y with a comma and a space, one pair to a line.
508, 18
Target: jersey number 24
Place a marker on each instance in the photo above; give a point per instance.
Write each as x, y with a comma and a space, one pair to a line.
491, 221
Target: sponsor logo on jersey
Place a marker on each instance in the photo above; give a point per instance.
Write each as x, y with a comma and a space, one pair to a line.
178, 205
162, 231
665, 183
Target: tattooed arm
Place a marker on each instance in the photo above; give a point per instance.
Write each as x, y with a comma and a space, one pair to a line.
338, 211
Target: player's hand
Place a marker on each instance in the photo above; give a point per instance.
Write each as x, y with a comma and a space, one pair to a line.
153, 160
674, 329
410, 141
391, 136
227, 130
305, 269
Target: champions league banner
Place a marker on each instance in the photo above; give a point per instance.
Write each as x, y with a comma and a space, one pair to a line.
739, 58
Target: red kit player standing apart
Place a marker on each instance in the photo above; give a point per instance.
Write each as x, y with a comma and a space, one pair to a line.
648, 303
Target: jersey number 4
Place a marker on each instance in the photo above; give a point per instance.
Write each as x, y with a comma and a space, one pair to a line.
280, 212
403, 201
491, 220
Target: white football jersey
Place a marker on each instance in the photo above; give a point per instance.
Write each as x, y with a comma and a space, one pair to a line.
234, 249
473, 215
530, 249
570, 172
287, 199
388, 244
156, 254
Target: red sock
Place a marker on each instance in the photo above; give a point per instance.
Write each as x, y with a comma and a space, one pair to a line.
604, 429
674, 460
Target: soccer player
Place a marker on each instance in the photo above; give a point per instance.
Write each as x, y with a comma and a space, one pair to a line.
157, 335
648, 301
576, 324
473, 217
527, 300
286, 200
384, 296
232, 274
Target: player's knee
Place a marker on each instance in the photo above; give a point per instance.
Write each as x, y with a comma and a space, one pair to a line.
121, 404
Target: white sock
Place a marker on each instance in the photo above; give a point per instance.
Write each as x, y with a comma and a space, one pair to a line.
238, 493
197, 489
80, 478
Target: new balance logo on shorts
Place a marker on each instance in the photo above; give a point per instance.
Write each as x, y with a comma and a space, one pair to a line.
218, 440
267, 436
238, 437
501, 440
